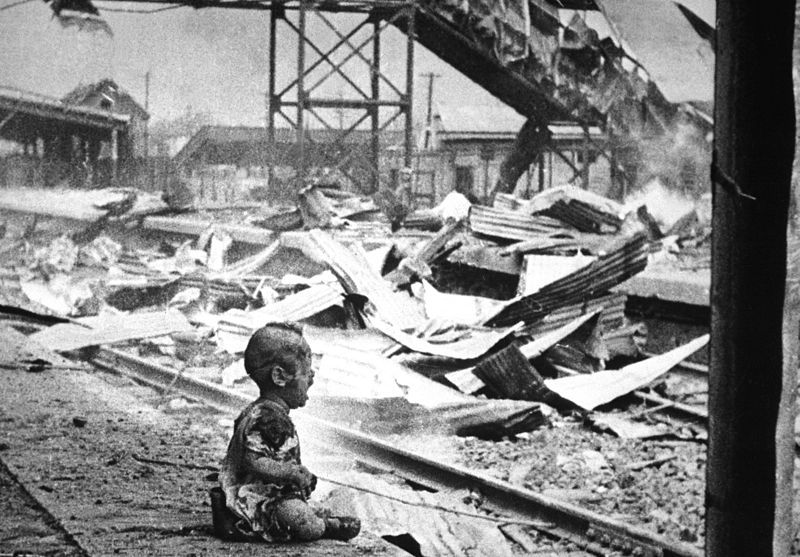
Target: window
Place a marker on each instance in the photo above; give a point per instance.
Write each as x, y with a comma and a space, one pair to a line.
465, 179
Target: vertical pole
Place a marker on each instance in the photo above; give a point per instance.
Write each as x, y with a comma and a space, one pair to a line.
301, 94
272, 105
148, 168
409, 139
752, 379
375, 109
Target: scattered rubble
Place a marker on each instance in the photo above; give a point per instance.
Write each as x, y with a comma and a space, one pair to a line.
409, 331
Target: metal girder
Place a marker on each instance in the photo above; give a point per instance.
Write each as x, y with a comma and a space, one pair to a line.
371, 104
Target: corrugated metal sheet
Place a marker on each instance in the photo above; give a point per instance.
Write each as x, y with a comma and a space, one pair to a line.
236, 326
512, 225
438, 533
413, 400
591, 390
582, 285
611, 306
583, 216
469, 343
660, 37
357, 277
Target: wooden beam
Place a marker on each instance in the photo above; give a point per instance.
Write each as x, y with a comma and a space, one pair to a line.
750, 453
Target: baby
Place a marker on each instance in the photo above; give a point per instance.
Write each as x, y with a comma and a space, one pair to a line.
265, 485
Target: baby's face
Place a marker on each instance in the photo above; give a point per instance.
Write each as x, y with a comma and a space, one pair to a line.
295, 393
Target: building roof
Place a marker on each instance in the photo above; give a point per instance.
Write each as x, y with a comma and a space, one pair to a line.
453, 123
16, 102
255, 138
121, 100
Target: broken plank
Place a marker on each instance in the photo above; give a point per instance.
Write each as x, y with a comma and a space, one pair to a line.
110, 329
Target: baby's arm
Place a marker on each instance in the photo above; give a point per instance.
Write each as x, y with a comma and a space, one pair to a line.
277, 472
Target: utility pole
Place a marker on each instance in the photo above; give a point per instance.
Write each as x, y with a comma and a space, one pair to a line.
429, 119
148, 166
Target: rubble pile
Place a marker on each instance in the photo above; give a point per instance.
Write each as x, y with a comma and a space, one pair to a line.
549, 342
399, 343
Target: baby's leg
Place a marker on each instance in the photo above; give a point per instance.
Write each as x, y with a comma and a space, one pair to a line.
300, 520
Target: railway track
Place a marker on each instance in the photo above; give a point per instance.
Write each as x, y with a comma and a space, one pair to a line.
592, 532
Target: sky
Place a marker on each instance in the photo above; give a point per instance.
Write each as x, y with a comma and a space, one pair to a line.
210, 59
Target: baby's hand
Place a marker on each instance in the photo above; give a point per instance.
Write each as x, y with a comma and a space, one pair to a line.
303, 478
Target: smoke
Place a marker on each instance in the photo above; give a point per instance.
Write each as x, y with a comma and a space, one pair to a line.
679, 159
664, 204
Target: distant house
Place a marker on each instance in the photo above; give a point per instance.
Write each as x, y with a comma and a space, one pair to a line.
107, 95
228, 161
465, 146
48, 142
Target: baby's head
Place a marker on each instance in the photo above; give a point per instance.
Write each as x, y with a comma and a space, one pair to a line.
278, 359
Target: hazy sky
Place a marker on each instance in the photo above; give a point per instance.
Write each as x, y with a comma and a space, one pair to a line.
213, 60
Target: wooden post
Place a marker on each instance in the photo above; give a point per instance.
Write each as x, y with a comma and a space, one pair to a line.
752, 379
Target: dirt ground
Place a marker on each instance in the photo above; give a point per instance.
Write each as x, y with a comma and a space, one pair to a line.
123, 469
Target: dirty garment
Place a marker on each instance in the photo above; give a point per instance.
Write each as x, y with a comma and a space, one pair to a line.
263, 428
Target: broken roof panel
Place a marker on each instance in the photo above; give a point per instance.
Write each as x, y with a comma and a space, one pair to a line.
626, 258
236, 326
679, 61
591, 390
357, 277
466, 344
110, 329
512, 225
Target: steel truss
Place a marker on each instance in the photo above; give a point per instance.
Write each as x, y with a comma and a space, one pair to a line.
302, 103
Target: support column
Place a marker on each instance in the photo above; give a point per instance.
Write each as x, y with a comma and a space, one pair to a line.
301, 94
753, 372
272, 105
374, 110
409, 138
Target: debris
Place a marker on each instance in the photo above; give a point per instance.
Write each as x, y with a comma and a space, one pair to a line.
58, 257
356, 276
512, 225
648, 463
354, 375
314, 207
590, 391
540, 270
235, 327
626, 428
508, 374
18, 350
419, 263
110, 329
626, 257
63, 295
79, 421
82, 204
453, 208
101, 252
460, 343
457, 308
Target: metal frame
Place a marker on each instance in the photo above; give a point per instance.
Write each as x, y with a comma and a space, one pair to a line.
364, 104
